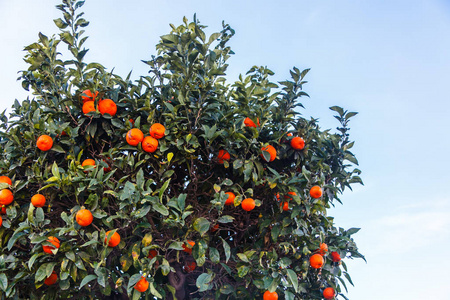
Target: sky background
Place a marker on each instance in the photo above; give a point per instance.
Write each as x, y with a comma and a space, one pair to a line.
387, 60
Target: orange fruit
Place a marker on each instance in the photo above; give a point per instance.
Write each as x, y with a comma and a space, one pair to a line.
134, 136
44, 142
88, 162
289, 134
141, 285
107, 106
5, 179
51, 279
149, 144
3, 210
248, 204
335, 256
272, 152
114, 240
84, 217
88, 107
289, 197
230, 199
190, 266
52, 240
316, 261
270, 296
87, 95
223, 155
249, 123
329, 293
323, 249
186, 248
6, 197
278, 197
157, 131
298, 143
285, 206
152, 253
214, 228
131, 121
315, 192
1, 221
38, 200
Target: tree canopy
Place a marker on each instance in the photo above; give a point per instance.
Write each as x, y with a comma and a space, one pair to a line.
226, 198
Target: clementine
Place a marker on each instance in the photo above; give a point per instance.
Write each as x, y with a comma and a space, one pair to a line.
88, 162
329, 293
285, 206
190, 266
188, 249
249, 123
157, 131
230, 199
289, 134
84, 217
149, 144
3, 210
44, 142
114, 240
223, 155
51, 279
272, 151
323, 249
38, 200
6, 197
270, 296
335, 256
141, 285
88, 107
316, 261
53, 240
107, 106
87, 95
1, 221
298, 143
134, 136
248, 204
152, 253
315, 192
5, 179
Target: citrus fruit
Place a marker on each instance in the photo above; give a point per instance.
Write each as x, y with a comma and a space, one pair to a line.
114, 240
87, 95
44, 142
3, 210
230, 199
5, 179
329, 293
285, 206
288, 196
316, 261
149, 144
289, 134
272, 152
298, 143
186, 248
134, 136
215, 228
323, 249
88, 162
152, 253
6, 197
270, 296
107, 106
335, 256
38, 200
190, 266
315, 192
248, 204
88, 107
1, 221
249, 123
223, 155
53, 240
141, 285
157, 131
84, 217
51, 279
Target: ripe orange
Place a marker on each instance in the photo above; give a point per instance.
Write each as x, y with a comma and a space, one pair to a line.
223, 155
323, 249
134, 136
285, 206
249, 123
88, 107
1, 221
248, 204
88, 162
131, 121
316, 261
141, 285
272, 152
6, 197
278, 197
270, 296
114, 240
84, 217
107, 106
87, 95
44, 142
335, 256
214, 228
230, 199
152, 253
329, 293
157, 130
315, 192
298, 143
51, 279
289, 197
149, 144
52, 240
38, 200
5, 179
190, 266
289, 134
186, 248
3, 210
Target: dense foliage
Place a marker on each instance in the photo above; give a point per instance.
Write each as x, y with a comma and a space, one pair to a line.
161, 200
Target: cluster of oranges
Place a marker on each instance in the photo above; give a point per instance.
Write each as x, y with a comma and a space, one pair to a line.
104, 106
6, 196
149, 143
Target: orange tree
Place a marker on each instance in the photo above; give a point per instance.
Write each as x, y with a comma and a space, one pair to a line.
125, 213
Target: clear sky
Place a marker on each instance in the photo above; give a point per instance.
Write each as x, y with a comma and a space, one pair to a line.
388, 60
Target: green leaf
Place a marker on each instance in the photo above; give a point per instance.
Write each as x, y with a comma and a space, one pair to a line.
3, 282
55, 171
242, 271
102, 274
86, 280
33, 259
226, 219
292, 276
163, 188
160, 208
201, 225
352, 231
154, 291
214, 255
203, 281
227, 250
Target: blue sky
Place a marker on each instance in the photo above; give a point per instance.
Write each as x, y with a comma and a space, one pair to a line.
388, 60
